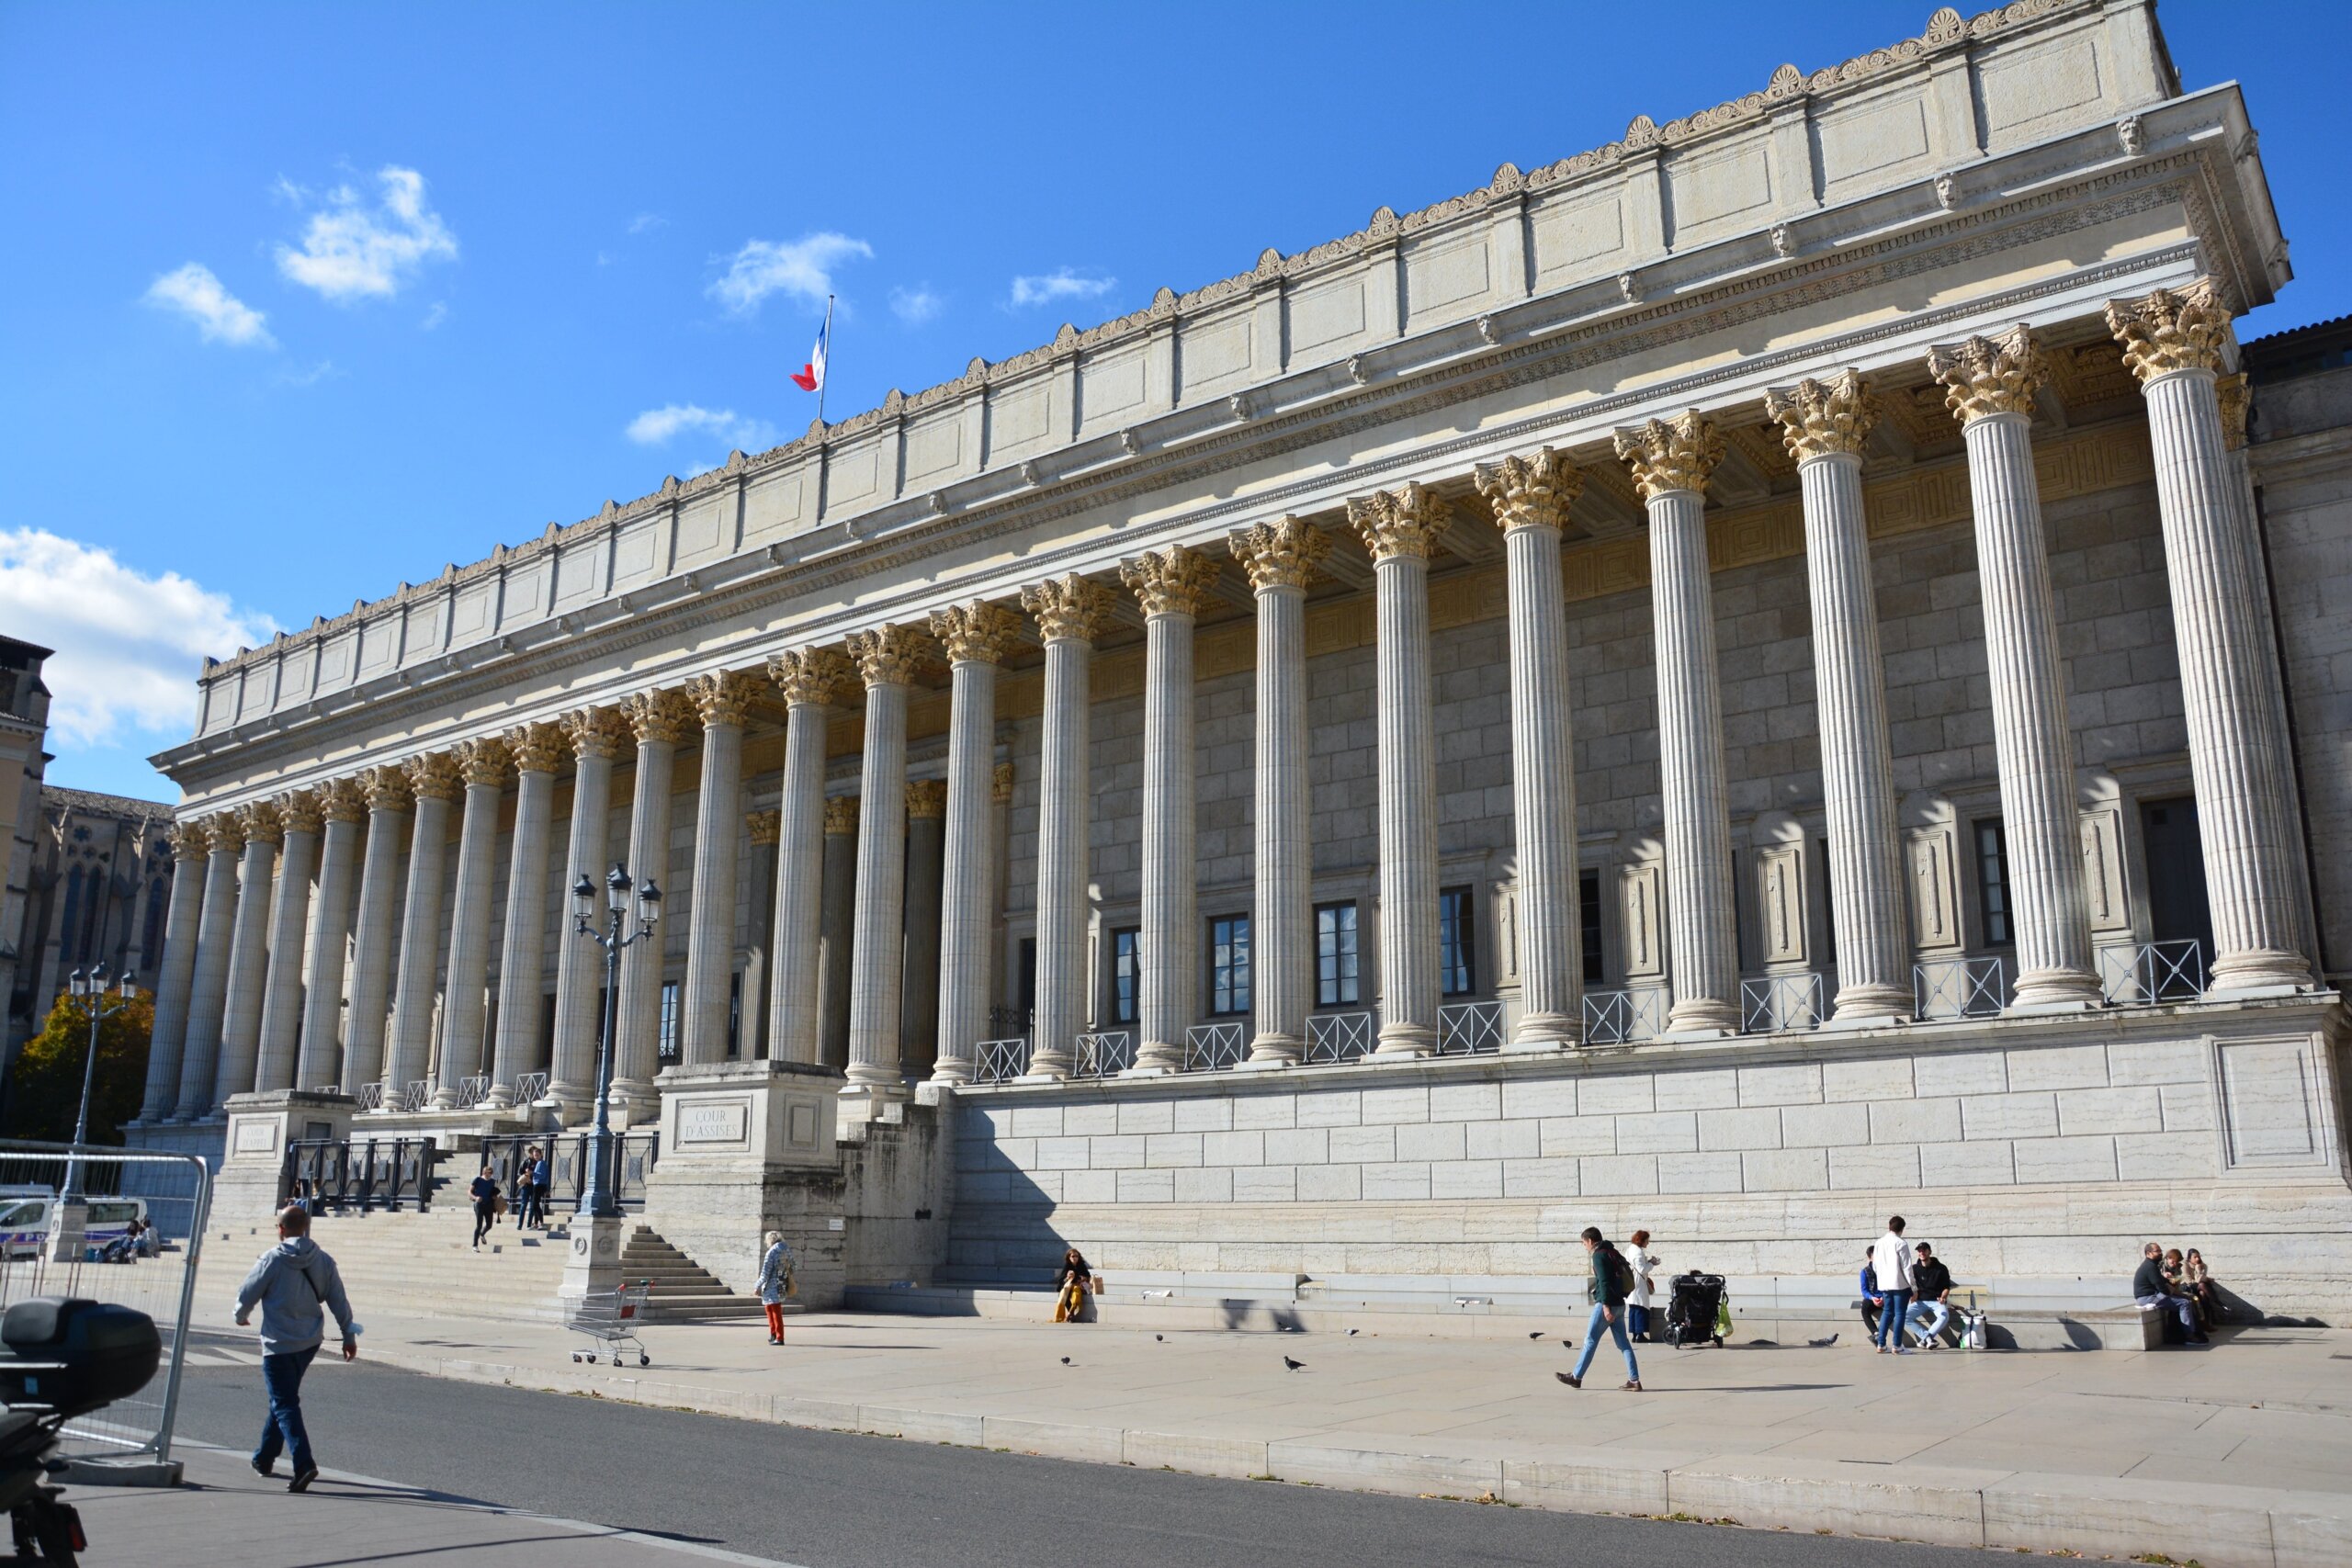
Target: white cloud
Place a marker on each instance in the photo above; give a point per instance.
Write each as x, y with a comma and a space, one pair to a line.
352, 252
655, 427
220, 316
434, 317
802, 268
917, 305
1062, 283
128, 645
646, 223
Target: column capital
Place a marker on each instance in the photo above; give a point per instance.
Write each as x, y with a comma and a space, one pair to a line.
483, 760
2230, 392
596, 732
1404, 522
1534, 491
1669, 455
2172, 330
1000, 783
191, 841
977, 633
1279, 554
926, 799
298, 812
1985, 376
260, 823
433, 777
887, 656
841, 816
1172, 582
724, 696
1822, 418
811, 676
767, 827
342, 800
1067, 608
537, 748
387, 788
665, 716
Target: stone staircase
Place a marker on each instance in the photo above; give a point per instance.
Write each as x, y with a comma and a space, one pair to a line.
684, 1291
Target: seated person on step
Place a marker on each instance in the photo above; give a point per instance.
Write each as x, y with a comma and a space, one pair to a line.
1071, 1287
2150, 1289
1931, 1300
1871, 1299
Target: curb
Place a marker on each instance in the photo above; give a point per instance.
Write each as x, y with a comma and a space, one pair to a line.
2222, 1527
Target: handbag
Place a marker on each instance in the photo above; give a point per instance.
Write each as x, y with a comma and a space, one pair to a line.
498, 1203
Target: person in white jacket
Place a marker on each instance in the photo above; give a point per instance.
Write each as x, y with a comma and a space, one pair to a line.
1645, 1263
1892, 1258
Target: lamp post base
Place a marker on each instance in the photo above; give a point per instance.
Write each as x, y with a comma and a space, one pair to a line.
594, 1265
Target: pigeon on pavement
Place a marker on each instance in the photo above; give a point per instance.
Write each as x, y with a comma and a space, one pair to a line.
1294, 1366
1064, 1361
1822, 1344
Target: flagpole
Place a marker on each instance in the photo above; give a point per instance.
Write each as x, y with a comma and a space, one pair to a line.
828, 376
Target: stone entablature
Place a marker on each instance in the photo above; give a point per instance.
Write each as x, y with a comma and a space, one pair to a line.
1595, 239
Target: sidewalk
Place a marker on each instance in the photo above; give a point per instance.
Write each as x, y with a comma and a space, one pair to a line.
226, 1514
2237, 1456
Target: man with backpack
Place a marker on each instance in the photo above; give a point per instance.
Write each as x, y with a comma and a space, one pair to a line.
1612, 1282
295, 1284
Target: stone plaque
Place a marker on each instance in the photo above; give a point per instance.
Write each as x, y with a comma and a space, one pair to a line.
801, 1126
256, 1135
715, 1122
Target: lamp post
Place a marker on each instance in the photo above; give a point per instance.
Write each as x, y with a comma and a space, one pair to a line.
87, 991
598, 1199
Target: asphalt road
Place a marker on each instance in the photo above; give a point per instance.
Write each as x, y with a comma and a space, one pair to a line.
842, 1500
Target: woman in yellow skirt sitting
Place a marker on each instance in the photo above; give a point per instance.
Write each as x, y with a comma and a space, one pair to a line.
1071, 1287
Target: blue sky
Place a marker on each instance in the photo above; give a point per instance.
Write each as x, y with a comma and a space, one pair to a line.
301, 301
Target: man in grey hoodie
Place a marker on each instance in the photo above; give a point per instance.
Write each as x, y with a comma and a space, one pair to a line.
294, 1283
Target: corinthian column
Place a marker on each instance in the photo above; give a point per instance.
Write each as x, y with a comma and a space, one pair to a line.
175, 985
724, 701
838, 931
536, 749
248, 951
386, 795
1279, 558
1671, 461
2228, 675
919, 1001
1070, 612
762, 829
976, 637
596, 736
812, 680
209, 986
1531, 497
1170, 584
464, 998
289, 913
1989, 385
661, 720
432, 781
1824, 425
1398, 527
886, 658
344, 805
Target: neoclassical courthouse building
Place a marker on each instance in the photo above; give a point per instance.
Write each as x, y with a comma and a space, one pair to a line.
1734, 683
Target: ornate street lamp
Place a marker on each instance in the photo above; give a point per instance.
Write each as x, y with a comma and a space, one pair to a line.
87, 991
599, 1200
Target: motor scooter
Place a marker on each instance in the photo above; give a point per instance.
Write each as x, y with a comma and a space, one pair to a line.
60, 1358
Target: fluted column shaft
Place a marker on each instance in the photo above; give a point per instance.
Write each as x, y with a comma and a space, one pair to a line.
718, 826
420, 959
1068, 612
919, 992
373, 939
523, 952
464, 998
596, 738
176, 984
209, 982
661, 720
796, 1017
289, 915
966, 876
838, 930
878, 943
248, 968
320, 1059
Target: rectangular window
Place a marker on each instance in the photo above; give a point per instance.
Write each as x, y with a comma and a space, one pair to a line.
1127, 975
734, 1015
669, 1020
1229, 964
1335, 956
1993, 882
1588, 922
1454, 958
1026, 992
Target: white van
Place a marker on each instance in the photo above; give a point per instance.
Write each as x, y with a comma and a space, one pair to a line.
24, 1222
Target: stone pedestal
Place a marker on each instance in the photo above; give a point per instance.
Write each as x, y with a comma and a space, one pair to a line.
250, 1187
594, 1265
748, 1147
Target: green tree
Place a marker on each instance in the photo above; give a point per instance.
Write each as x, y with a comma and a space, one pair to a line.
45, 1087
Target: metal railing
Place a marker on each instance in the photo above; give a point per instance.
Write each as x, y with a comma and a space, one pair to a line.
416, 1096
1338, 1037
1619, 1017
2153, 972
1775, 1004
571, 1163
1105, 1054
1000, 1061
336, 1175
1210, 1047
369, 1096
472, 1091
1469, 1029
1959, 988
530, 1088
1004, 1022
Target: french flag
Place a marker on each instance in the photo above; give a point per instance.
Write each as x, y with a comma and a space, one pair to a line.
810, 377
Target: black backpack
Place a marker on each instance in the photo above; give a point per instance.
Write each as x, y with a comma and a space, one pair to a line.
1621, 1273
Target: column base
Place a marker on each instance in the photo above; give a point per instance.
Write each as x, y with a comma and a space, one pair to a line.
1273, 1050
1542, 1031
2057, 990
1871, 1006
2260, 972
500, 1098
1406, 1040
1156, 1059
951, 1070
1048, 1067
1846, 1022
635, 1101
1700, 1018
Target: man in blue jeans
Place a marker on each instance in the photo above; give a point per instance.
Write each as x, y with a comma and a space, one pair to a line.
1612, 1275
296, 1284
1893, 1261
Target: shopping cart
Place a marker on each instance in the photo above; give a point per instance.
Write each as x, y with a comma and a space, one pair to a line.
609, 1320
